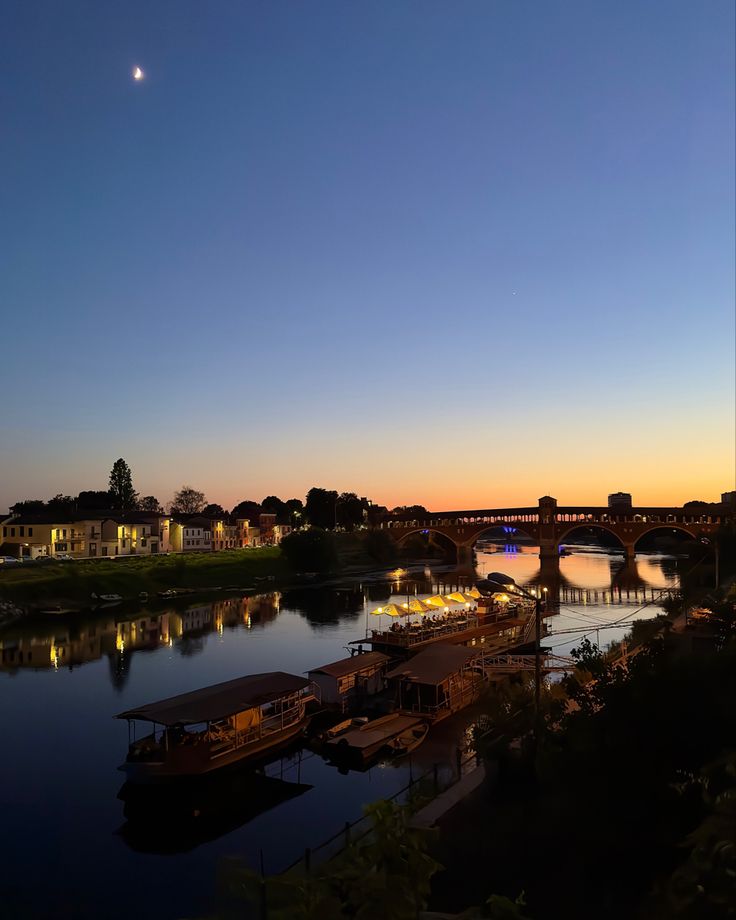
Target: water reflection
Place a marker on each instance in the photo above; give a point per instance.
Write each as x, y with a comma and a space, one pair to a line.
177, 817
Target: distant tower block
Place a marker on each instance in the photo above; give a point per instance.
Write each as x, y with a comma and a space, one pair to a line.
548, 545
619, 501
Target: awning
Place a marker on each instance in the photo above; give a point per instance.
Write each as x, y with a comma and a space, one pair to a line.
435, 664
220, 700
390, 610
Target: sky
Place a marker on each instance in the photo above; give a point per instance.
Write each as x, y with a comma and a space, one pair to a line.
460, 254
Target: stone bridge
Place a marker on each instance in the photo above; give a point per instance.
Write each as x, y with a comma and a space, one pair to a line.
548, 525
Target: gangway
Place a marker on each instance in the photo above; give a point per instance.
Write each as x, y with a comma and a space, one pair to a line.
512, 664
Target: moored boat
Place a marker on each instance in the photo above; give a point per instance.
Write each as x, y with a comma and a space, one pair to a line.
205, 730
360, 741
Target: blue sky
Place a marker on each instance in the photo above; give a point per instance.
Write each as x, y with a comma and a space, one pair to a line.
452, 253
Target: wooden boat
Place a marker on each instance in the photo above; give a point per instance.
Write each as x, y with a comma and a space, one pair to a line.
208, 729
107, 597
361, 743
408, 741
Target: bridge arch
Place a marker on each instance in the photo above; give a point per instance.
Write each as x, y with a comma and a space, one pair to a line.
409, 531
509, 529
669, 528
590, 525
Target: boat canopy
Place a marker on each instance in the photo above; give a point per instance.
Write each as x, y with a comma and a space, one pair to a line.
351, 665
219, 701
435, 664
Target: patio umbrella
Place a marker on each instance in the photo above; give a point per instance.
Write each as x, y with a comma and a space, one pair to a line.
390, 610
474, 593
457, 598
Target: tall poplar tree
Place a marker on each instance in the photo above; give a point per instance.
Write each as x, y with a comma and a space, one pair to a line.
122, 493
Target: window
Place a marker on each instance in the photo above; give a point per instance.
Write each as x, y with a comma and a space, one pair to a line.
104, 550
116, 551
143, 541
30, 531
5, 531
22, 531
12, 531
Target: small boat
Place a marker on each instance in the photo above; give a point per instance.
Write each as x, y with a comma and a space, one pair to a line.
407, 741
55, 610
143, 595
170, 592
198, 732
107, 597
361, 743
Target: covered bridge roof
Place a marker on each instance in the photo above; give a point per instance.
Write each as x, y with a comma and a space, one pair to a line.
218, 701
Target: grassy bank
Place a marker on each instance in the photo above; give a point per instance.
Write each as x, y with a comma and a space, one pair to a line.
74, 582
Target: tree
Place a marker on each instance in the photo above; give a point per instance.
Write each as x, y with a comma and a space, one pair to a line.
188, 501
295, 511
272, 504
60, 504
310, 550
150, 503
214, 511
320, 508
417, 510
94, 500
350, 510
28, 506
122, 493
246, 509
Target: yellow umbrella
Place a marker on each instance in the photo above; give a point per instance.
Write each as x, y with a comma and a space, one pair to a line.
416, 606
470, 597
390, 610
474, 593
437, 600
457, 598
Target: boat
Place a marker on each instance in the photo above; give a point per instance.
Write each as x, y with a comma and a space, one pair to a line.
170, 592
205, 730
360, 743
408, 741
107, 597
55, 610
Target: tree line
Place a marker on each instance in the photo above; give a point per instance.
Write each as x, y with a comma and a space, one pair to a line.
325, 508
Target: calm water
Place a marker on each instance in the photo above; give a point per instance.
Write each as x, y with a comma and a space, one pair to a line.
65, 849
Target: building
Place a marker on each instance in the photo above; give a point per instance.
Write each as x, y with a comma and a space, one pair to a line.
619, 501
85, 534
728, 498
280, 531
224, 535
191, 535
349, 681
266, 524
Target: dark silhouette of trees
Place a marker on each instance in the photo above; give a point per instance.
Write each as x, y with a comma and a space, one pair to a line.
188, 501
214, 511
150, 503
418, 510
320, 508
28, 506
61, 504
295, 511
272, 504
122, 493
311, 550
246, 509
94, 501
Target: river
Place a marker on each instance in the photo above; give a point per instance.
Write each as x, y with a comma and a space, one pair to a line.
65, 848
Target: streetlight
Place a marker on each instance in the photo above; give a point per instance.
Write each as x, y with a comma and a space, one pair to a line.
507, 583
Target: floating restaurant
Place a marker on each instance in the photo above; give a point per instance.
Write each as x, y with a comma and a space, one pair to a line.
349, 681
437, 681
195, 733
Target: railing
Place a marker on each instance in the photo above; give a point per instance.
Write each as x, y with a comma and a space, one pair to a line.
431, 782
413, 635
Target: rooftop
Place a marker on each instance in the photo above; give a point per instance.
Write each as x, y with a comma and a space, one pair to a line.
351, 665
218, 701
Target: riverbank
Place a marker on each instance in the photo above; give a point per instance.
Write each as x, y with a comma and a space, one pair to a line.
71, 583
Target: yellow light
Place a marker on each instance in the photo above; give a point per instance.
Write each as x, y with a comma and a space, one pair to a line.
405, 606
380, 610
138, 74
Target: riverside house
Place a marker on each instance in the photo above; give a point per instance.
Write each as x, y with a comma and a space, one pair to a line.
85, 534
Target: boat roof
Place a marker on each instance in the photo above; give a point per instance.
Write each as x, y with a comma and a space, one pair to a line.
351, 665
435, 664
218, 701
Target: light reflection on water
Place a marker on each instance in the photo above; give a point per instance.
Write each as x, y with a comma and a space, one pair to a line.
62, 679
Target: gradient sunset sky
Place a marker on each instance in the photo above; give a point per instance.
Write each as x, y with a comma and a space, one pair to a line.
456, 253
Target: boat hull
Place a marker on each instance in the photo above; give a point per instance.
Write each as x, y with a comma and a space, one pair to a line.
145, 772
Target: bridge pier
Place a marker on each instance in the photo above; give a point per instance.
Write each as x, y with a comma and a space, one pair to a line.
464, 555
